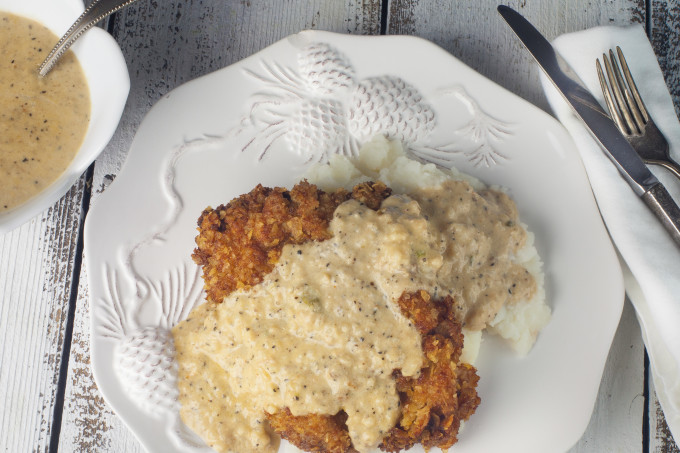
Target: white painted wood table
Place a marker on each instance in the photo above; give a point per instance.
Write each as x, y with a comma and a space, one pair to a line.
48, 399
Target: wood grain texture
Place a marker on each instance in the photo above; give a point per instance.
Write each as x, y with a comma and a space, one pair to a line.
36, 271
167, 43
474, 33
665, 37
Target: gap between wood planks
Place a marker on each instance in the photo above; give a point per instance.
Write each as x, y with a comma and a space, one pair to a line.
647, 405
384, 11
68, 332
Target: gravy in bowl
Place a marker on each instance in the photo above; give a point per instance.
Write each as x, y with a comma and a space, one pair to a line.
43, 121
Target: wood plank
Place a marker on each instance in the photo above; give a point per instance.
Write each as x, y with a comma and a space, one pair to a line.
665, 38
36, 273
166, 44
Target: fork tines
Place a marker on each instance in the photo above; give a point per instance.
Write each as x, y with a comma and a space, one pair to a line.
622, 97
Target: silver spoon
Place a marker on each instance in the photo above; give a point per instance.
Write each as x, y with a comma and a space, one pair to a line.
93, 14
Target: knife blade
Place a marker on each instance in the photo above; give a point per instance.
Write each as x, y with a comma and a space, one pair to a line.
597, 121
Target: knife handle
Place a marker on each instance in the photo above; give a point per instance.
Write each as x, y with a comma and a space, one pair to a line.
662, 205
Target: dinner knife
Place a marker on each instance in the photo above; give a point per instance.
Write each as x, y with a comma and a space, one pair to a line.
597, 121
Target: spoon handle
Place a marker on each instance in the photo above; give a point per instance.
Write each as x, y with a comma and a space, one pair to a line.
93, 14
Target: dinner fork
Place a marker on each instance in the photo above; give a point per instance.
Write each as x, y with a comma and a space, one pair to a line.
630, 114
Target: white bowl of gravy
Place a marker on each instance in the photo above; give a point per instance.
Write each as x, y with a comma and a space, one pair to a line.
52, 128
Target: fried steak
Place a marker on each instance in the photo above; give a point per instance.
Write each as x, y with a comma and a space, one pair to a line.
239, 243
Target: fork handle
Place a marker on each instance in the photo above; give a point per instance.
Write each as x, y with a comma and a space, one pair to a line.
662, 205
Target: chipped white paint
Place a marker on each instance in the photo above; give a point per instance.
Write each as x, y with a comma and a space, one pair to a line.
36, 270
88, 423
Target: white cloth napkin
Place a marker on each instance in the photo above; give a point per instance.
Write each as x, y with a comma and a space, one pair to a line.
649, 257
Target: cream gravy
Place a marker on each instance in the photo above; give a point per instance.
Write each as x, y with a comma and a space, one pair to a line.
42, 120
322, 332
481, 233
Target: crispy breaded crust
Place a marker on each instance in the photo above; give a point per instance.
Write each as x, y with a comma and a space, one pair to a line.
314, 432
434, 403
371, 193
238, 244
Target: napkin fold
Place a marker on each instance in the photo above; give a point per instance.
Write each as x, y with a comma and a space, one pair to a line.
650, 259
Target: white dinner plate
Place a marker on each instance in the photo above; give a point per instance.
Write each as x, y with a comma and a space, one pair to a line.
263, 120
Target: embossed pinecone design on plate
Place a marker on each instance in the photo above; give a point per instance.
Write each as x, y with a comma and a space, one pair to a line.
322, 107
326, 70
391, 107
145, 361
318, 124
